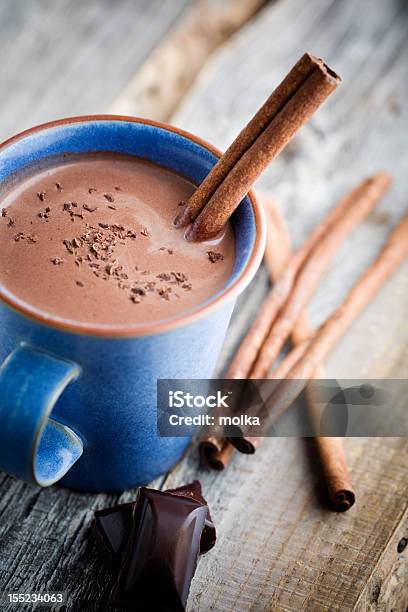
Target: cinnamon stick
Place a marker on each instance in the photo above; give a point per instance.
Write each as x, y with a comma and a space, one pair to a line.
362, 199
216, 452
394, 252
295, 100
321, 244
330, 449
246, 138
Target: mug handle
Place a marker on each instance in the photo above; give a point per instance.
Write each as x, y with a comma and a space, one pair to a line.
33, 446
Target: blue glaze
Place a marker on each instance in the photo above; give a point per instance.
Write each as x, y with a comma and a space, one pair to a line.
110, 408
31, 382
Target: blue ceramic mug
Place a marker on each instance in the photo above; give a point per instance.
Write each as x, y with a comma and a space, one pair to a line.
78, 401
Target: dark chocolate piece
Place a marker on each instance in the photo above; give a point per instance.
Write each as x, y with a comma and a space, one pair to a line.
161, 555
112, 526
193, 490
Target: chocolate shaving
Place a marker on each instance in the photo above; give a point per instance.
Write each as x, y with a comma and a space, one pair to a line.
164, 292
179, 277
58, 186
24, 236
70, 205
138, 290
164, 276
213, 256
41, 195
109, 197
45, 213
90, 209
57, 261
69, 246
79, 283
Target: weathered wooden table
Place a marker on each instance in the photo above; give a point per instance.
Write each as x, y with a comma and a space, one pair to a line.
279, 548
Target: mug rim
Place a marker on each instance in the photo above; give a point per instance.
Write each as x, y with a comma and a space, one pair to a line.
165, 325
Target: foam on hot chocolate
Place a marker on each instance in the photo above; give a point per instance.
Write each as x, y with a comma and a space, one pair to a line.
92, 240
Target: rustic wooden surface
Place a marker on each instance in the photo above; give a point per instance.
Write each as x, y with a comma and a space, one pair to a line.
70, 57
279, 547
159, 86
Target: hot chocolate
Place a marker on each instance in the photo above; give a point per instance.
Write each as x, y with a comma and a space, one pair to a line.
91, 239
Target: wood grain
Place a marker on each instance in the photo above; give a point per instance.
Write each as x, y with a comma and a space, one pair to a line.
279, 548
69, 57
157, 88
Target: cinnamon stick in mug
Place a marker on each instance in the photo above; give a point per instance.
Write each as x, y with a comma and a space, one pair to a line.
294, 101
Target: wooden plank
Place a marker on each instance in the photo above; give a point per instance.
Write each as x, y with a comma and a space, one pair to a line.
67, 58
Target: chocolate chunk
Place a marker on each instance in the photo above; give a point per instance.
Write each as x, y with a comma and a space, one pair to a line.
4, 212
193, 490
162, 552
79, 283
112, 526
214, 257
58, 186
